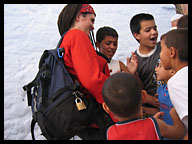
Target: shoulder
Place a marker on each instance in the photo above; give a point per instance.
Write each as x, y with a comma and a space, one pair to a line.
76, 34
156, 126
160, 88
158, 47
121, 63
158, 44
114, 62
123, 67
76, 38
180, 77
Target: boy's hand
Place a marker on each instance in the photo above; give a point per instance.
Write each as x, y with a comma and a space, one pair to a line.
132, 64
153, 100
158, 115
157, 103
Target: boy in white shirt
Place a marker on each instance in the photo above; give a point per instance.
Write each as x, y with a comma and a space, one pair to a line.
174, 55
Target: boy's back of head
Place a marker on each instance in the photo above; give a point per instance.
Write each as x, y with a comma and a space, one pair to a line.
183, 22
178, 39
105, 31
136, 21
122, 94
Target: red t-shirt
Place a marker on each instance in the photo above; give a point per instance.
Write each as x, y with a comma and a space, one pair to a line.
138, 129
83, 63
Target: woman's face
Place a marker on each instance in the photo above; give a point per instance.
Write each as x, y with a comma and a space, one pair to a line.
87, 22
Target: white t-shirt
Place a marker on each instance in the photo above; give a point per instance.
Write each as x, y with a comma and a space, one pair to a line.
178, 91
114, 66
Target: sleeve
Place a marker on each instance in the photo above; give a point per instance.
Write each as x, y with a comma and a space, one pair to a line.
85, 63
178, 93
156, 126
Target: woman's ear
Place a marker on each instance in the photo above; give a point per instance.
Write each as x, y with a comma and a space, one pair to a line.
106, 108
78, 17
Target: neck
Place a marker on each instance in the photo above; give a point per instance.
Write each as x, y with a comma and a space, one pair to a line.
138, 115
145, 50
180, 66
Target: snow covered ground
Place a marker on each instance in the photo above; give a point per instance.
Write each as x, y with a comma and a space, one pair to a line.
29, 29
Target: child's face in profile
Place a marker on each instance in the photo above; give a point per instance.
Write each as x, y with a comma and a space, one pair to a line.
165, 56
148, 33
108, 46
161, 73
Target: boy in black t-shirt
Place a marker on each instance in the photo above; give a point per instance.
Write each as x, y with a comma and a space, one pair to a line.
144, 30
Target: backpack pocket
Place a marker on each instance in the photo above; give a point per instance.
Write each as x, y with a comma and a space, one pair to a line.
64, 119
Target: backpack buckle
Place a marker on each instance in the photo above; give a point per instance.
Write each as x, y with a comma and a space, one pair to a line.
60, 52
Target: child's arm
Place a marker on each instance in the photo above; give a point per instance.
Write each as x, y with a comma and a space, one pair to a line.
153, 100
173, 132
150, 111
123, 67
132, 65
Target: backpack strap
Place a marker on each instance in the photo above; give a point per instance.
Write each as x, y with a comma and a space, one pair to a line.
32, 84
33, 122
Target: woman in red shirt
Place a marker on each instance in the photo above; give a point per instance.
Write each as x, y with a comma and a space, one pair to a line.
80, 58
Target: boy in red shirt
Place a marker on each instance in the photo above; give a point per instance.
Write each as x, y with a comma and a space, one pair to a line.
123, 97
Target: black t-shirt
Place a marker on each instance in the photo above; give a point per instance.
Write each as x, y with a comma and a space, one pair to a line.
146, 69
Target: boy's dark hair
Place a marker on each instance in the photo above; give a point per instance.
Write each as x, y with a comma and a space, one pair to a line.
178, 39
105, 31
183, 22
122, 94
136, 21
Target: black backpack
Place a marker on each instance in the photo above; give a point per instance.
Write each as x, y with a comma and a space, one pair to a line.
58, 106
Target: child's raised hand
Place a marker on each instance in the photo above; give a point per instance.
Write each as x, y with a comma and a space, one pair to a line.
132, 64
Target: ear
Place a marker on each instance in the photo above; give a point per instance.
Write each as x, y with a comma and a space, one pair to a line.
173, 52
136, 35
97, 44
106, 108
78, 17
144, 95
172, 72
